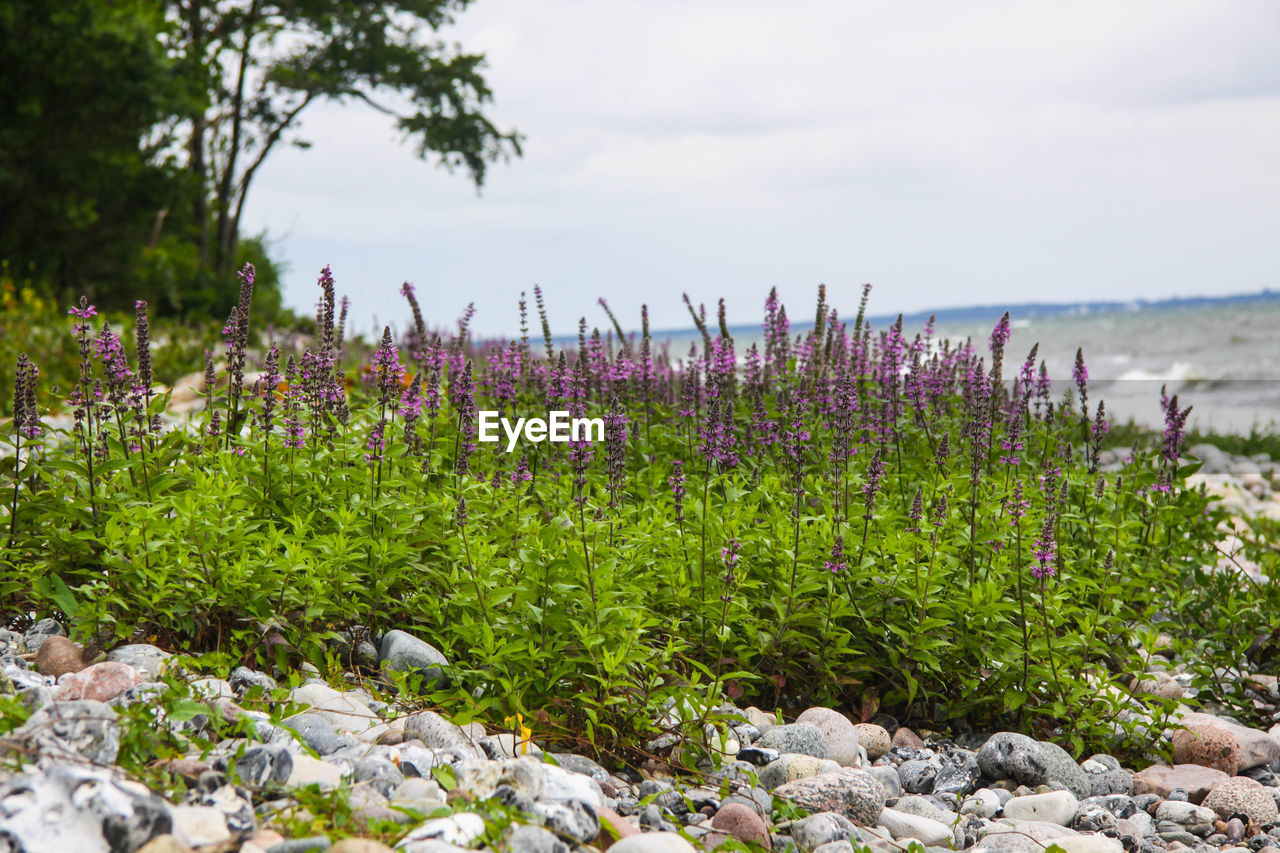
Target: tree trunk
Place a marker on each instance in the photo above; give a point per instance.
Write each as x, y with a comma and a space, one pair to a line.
227, 184
195, 146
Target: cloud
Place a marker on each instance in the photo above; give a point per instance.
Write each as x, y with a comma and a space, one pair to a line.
953, 153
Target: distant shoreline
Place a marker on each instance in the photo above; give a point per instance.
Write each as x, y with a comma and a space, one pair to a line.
991, 312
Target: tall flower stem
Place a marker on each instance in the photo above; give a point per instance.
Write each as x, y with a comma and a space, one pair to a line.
795, 563
1048, 634
586, 556
1022, 604
702, 571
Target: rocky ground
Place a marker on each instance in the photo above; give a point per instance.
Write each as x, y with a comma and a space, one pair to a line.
874, 784
445, 787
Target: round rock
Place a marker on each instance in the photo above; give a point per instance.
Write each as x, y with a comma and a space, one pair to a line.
147, 659
917, 775
741, 822
816, 830
1241, 795
1009, 755
843, 746
803, 738
1058, 807
853, 793
958, 774
101, 682
652, 842
874, 739
793, 766
1063, 768
403, 652
58, 656
39, 633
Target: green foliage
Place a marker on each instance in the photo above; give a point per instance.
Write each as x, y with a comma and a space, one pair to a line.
134, 130
1259, 439
37, 325
258, 69
590, 604
82, 180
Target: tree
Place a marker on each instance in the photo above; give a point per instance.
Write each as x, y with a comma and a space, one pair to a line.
82, 178
262, 63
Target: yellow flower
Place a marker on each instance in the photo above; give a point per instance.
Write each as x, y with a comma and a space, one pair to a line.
526, 734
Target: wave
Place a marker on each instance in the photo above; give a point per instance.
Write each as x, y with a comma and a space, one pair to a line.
1179, 371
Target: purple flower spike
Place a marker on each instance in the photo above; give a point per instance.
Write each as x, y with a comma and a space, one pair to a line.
837, 563
1045, 550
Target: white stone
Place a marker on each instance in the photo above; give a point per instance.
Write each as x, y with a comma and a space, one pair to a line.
1055, 807
561, 784
196, 826
372, 735
512, 748
148, 660
459, 829
423, 795
652, 842
212, 688
925, 830
760, 719
1092, 843
262, 841
313, 771
346, 712
1022, 836
1184, 813
982, 802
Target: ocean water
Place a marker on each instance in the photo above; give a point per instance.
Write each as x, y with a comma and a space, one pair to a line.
1221, 359
1224, 360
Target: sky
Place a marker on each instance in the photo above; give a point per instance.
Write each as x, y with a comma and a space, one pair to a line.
949, 153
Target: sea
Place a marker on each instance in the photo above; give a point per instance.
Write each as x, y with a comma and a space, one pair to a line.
1219, 355
1222, 359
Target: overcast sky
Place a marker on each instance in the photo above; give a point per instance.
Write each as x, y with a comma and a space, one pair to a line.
949, 153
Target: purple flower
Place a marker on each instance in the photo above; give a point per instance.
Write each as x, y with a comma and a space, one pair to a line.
26, 415
1175, 426
836, 562
1080, 373
1000, 335
939, 511
677, 483
1011, 441
265, 387
411, 402
1043, 386
142, 336
871, 486
1027, 376
1045, 549
295, 433
689, 385
917, 511
418, 335
464, 403
717, 432
376, 446
1016, 505
729, 555
522, 473
615, 439
387, 370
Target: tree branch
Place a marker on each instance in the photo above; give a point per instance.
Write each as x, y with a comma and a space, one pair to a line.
242, 186
387, 111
